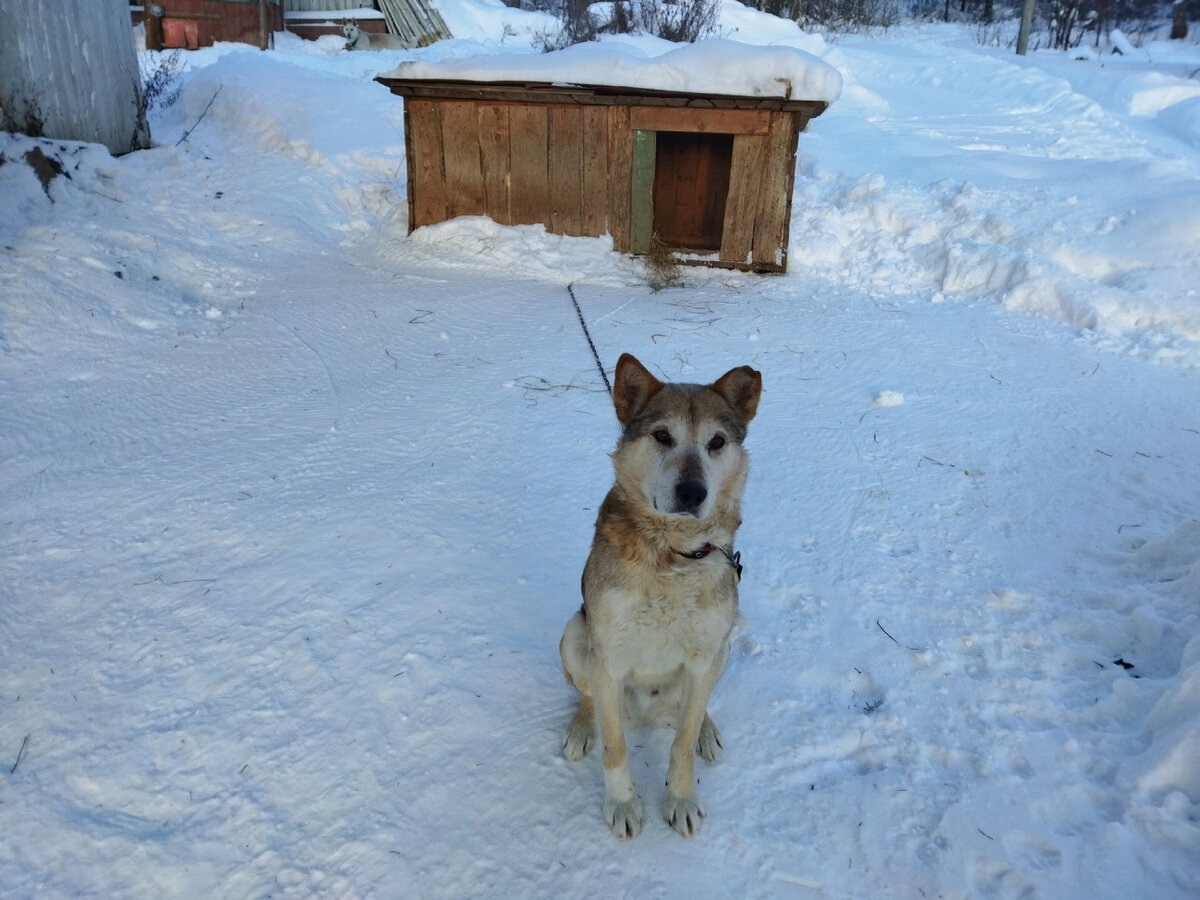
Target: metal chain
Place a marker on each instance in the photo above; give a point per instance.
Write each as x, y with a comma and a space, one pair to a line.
587, 334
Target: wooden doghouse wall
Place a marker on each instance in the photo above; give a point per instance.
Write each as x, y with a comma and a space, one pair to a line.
519, 164
589, 170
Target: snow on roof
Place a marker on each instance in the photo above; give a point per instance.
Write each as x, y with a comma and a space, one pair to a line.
718, 66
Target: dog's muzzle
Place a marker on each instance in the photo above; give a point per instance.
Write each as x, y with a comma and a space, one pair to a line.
690, 496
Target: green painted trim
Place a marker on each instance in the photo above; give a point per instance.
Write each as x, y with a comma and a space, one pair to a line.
642, 201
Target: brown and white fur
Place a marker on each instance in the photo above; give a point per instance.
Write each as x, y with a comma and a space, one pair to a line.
660, 587
357, 39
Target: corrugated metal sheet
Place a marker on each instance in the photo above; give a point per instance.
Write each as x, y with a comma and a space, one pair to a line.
416, 22
68, 71
324, 5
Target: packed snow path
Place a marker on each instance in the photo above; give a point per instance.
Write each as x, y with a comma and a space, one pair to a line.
294, 508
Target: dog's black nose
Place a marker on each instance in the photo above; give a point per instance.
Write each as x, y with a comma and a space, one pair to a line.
690, 494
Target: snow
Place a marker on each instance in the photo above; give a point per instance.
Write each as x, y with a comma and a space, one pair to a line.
1121, 44
493, 24
294, 505
712, 66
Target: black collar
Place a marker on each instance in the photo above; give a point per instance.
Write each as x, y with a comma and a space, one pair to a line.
734, 558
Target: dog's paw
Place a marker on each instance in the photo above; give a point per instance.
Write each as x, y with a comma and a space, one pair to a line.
683, 814
577, 740
624, 817
709, 745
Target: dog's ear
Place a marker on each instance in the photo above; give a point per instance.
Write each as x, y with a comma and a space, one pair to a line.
633, 387
741, 388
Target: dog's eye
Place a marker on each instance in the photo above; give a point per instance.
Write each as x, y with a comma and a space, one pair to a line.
663, 437
717, 442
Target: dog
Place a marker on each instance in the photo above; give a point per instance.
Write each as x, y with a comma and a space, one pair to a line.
660, 587
357, 39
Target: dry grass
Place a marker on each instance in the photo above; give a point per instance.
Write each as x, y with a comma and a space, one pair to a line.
662, 266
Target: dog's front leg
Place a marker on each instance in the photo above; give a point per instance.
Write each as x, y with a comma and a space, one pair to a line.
622, 805
681, 807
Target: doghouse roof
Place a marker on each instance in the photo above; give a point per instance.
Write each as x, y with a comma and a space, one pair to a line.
774, 76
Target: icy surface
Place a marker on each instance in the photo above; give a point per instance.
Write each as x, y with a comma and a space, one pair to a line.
293, 505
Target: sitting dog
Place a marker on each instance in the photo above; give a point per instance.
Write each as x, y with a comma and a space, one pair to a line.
660, 588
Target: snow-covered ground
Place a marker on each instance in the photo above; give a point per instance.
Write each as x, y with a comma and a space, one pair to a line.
293, 506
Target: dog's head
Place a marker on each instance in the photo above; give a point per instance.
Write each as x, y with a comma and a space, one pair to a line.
352, 33
681, 451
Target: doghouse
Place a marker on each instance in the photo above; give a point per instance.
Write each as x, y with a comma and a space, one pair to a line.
710, 174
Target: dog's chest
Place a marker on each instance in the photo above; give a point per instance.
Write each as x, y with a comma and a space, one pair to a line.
666, 625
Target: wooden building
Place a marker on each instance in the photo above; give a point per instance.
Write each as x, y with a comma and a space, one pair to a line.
710, 175
190, 24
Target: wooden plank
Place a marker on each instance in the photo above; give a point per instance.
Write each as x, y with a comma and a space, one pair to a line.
799, 121
428, 186
594, 95
530, 196
642, 193
705, 121
497, 93
620, 177
566, 170
775, 193
713, 263
410, 158
595, 172
495, 156
741, 206
677, 190
460, 147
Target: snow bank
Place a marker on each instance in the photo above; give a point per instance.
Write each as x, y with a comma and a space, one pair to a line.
1167, 772
1139, 93
751, 26
1183, 121
1088, 213
1173, 729
717, 67
494, 23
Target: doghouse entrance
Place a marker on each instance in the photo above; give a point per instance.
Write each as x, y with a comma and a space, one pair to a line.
691, 185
